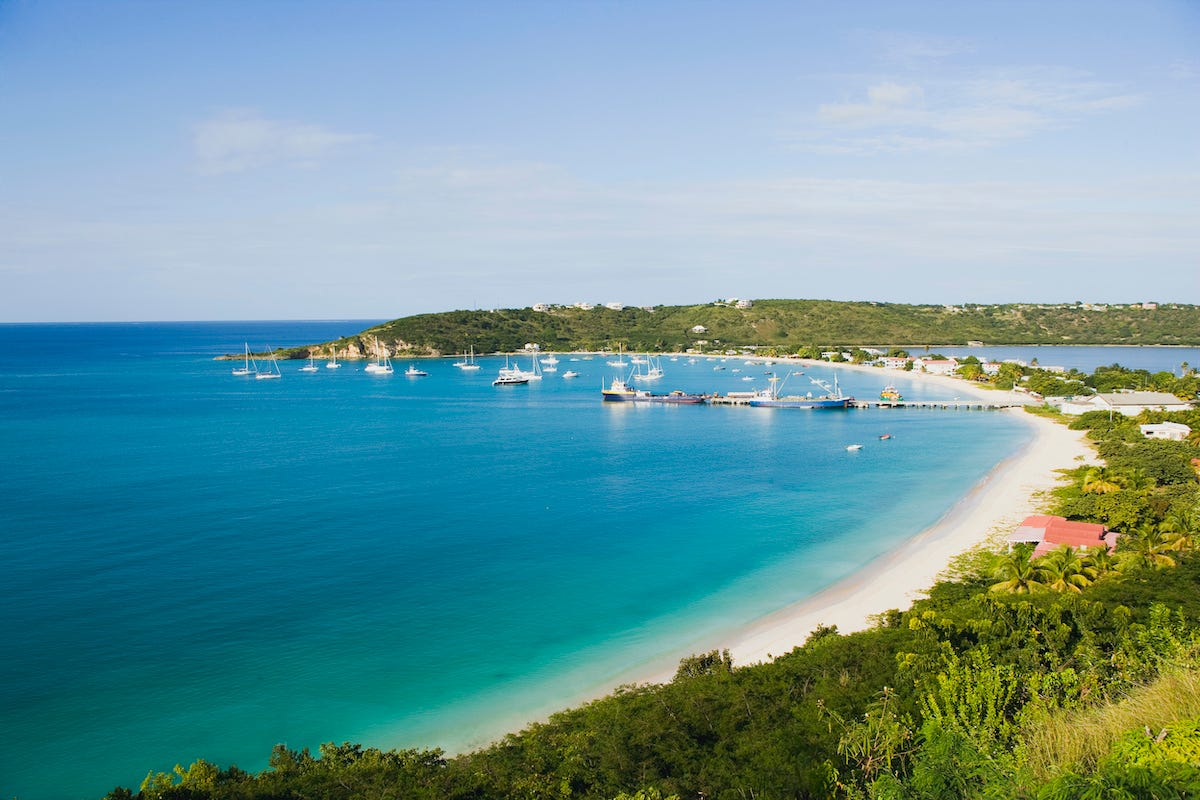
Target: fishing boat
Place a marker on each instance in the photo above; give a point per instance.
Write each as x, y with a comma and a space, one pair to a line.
890, 395
772, 396
310, 366
618, 391
247, 369
262, 375
413, 372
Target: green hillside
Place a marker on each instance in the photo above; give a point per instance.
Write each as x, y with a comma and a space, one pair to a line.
785, 324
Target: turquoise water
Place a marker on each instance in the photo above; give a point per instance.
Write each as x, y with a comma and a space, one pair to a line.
200, 565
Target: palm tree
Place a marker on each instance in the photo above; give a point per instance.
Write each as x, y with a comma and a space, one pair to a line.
1147, 546
1181, 527
1099, 480
1017, 573
1064, 570
1098, 562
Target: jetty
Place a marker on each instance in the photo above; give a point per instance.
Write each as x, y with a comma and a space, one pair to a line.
743, 399
953, 405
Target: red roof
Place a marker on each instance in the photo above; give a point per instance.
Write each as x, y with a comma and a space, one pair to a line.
1076, 534
1050, 532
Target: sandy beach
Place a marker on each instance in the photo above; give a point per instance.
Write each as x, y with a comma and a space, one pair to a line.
1014, 489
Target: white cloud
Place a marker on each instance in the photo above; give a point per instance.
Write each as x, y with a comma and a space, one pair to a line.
971, 112
235, 141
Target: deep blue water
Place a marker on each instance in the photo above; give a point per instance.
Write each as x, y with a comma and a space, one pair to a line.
200, 565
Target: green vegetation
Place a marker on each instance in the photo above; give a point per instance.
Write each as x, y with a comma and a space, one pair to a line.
1074, 675
778, 325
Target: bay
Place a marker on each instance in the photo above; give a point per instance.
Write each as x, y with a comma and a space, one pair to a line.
201, 565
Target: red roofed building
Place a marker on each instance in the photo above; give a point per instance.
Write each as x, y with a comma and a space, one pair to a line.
1049, 533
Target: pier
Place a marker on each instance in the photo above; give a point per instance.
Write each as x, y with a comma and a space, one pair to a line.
959, 405
740, 399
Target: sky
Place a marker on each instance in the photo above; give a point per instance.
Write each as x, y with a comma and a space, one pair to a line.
338, 160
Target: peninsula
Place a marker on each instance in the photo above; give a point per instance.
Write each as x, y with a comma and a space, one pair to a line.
782, 326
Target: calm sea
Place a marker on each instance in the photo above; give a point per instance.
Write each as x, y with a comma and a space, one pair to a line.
200, 565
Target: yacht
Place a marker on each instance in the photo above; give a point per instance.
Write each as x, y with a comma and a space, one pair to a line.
246, 370
413, 372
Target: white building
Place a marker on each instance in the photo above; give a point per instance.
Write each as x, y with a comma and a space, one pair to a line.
699, 329
936, 366
541, 307
615, 306
1175, 431
744, 304
1128, 403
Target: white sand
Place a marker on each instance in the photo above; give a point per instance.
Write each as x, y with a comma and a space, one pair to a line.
998, 503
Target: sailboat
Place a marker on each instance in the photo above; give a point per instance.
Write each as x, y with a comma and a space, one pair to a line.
469, 365
382, 365
263, 376
620, 362
246, 370
310, 366
332, 362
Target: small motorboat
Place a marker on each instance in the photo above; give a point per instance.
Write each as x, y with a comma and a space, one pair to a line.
853, 448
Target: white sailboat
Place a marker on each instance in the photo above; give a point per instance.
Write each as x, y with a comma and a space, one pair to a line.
382, 365
268, 375
469, 365
332, 363
246, 370
620, 361
310, 366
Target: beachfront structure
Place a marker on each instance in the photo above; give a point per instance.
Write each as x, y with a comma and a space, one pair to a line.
936, 366
1047, 532
894, 362
1129, 404
1175, 431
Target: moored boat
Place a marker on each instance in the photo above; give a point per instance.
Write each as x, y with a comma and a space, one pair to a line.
772, 398
890, 394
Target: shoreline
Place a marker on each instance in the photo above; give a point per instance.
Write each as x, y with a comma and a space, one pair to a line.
1012, 490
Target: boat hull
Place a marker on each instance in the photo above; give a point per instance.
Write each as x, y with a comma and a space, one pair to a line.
802, 402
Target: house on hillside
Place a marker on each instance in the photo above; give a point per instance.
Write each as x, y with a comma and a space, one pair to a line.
1175, 431
699, 329
1047, 532
1128, 403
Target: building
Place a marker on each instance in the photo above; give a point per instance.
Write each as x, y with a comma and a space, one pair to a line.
894, 362
541, 307
699, 329
1175, 431
744, 304
936, 366
1048, 533
1128, 403
615, 306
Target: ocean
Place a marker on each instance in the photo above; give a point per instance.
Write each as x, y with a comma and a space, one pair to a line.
198, 565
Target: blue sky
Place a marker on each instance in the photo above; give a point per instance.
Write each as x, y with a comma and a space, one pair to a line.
279, 160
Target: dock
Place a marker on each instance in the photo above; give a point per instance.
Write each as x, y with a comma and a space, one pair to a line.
953, 405
740, 399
